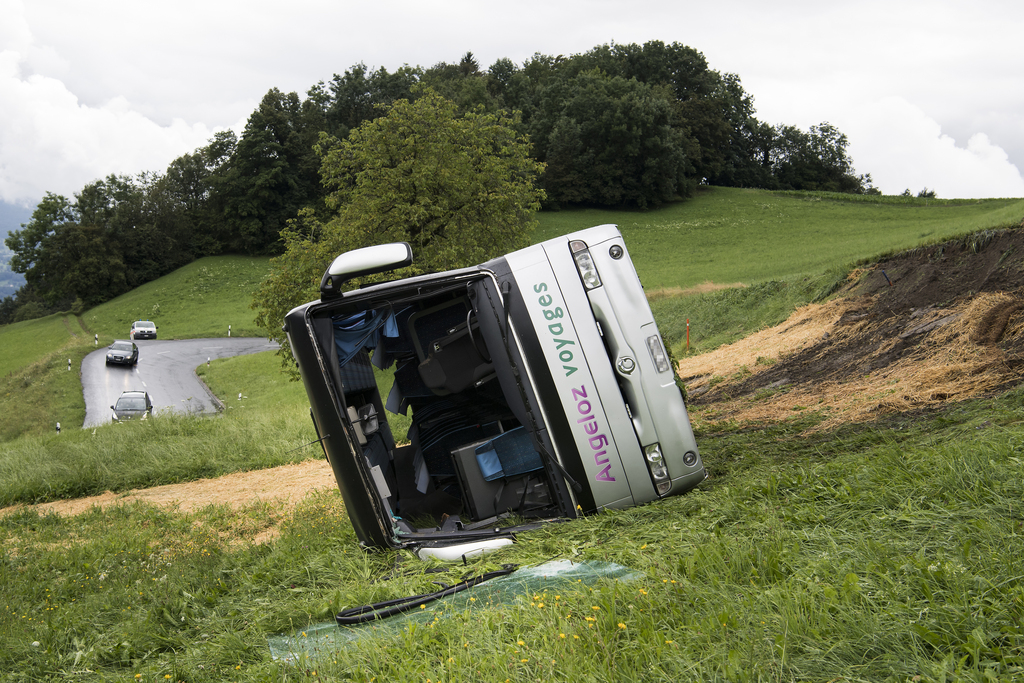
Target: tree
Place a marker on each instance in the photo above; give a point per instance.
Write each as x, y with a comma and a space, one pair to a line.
612, 143
459, 188
189, 199
36, 253
361, 94
272, 171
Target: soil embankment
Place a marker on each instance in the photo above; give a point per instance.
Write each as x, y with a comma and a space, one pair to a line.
919, 329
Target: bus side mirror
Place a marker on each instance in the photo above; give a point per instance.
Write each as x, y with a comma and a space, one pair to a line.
366, 261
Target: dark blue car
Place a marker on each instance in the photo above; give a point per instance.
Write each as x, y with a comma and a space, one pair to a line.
123, 353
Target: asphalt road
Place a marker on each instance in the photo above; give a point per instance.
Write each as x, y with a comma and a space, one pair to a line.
166, 369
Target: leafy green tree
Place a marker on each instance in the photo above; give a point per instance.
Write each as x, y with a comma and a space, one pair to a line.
361, 95
459, 188
612, 143
815, 160
188, 197
36, 247
112, 238
272, 172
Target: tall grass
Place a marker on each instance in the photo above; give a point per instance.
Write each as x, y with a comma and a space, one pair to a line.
270, 426
34, 398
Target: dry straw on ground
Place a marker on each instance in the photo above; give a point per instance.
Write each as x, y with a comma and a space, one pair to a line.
913, 361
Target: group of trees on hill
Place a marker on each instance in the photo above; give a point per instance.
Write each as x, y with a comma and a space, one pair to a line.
618, 126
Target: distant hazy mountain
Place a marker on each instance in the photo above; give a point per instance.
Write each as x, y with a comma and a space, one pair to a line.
12, 216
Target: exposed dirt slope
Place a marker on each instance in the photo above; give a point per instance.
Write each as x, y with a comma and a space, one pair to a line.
921, 328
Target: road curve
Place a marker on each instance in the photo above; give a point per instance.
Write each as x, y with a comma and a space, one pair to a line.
166, 369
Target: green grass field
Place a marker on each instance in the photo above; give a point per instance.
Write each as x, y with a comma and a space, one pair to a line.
889, 551
26, 342
728, 236
199, 300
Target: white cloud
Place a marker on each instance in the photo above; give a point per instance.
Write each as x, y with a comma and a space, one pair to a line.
903, 148
49, 141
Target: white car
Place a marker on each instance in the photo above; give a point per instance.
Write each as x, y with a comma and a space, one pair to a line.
537, 384
142, 329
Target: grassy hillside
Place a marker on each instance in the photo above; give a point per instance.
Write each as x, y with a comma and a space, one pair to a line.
883, 553
789, 248
199, 300
26, 342
888, 551
727, 235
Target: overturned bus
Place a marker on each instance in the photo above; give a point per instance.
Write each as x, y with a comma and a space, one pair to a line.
537, 385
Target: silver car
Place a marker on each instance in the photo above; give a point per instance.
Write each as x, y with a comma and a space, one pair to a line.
132, 405
537, 385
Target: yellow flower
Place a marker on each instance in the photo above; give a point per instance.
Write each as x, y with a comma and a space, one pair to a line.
575, 637
423, 607
669, 642
621, 625
595, 607
561, 635
519, 642
643, 546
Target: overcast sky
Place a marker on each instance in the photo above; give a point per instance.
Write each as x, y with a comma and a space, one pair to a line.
930, 94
